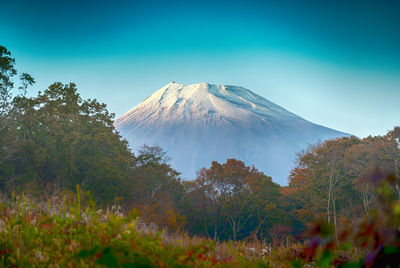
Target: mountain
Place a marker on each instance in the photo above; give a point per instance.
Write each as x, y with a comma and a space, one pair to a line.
199, 123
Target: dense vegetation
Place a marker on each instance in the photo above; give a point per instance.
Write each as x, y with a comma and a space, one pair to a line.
342, 204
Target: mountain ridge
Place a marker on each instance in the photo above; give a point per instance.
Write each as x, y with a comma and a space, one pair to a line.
202, 122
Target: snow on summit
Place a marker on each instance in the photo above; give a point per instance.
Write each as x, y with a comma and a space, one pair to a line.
199, 123
176, 101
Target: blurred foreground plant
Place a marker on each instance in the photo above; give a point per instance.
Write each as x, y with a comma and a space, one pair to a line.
70, 232
372, 241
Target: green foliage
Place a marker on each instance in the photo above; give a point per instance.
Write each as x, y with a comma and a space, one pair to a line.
9, 111
57, 143
69, 141
32, 237
157, 188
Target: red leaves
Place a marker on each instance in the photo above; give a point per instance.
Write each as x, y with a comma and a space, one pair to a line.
44, 226
190, 254
4, 252
202, 257
214, 260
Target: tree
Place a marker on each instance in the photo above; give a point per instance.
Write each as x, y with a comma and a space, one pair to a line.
323, 175
266, 199
239, 205
360, 160
69, 141
231, 200
392, 152
8, 109
303, 202
207, 194
157, 188
154, 174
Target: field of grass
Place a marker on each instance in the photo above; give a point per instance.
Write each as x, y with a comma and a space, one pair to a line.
72, 233
64, 234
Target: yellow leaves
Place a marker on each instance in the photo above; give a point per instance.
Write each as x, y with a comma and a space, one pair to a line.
269, 206
129, 227
396, 209
171, 215
12, 260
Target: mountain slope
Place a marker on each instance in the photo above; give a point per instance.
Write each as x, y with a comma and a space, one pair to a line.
201, 122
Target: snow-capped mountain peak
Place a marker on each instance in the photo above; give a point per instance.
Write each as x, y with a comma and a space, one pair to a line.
177, 101
202, 122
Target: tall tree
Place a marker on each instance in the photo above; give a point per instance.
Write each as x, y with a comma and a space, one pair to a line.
69, 141
239, 205
266, 204
392, 152
360, 160
9, 111
324, 177
232, 200
157, 188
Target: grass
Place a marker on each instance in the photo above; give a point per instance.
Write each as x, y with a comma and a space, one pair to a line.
71, 232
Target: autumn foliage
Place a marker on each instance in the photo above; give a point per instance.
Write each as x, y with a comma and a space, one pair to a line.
341, 205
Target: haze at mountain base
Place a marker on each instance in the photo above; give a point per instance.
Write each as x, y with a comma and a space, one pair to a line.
199, 123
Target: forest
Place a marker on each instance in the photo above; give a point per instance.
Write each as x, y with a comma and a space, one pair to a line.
66, 174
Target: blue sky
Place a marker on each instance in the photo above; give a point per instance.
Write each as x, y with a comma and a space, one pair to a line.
335, 63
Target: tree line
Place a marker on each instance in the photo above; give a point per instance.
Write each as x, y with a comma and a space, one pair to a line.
56, 140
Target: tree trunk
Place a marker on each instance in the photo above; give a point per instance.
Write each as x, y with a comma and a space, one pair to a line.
328, 208
232, 222
334, 222
215, 231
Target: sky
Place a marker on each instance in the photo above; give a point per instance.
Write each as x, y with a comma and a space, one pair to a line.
335, 63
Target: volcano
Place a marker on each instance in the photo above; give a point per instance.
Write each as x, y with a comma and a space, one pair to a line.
199, 123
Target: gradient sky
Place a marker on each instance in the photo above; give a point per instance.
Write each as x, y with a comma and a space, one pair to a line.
335, 63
